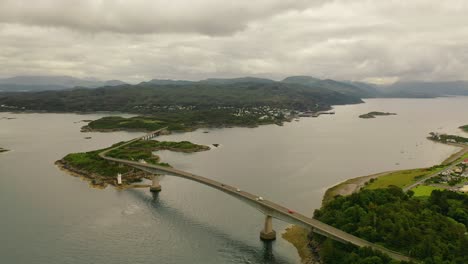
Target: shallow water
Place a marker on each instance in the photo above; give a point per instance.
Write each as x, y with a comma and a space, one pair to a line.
50, 217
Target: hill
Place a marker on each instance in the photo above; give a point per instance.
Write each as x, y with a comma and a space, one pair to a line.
149, 98
42, 83
341, 87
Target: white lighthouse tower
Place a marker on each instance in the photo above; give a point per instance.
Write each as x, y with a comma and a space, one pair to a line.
119, 178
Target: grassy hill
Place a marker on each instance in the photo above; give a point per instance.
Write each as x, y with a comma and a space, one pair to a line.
149, 97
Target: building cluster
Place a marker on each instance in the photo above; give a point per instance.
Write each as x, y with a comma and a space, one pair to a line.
3, 106
448, 138
456, 175
264, 112
164, 108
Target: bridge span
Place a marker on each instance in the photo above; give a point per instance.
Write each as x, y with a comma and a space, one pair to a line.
268, 208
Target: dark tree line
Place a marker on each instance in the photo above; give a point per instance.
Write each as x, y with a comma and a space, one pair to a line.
431, 230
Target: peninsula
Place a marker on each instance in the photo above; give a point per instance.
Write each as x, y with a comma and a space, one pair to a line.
390, 208
100, 173
375, 114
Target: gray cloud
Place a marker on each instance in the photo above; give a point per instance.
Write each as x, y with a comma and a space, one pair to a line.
210, 17
138, 40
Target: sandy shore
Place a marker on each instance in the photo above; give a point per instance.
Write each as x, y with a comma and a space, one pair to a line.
350, 186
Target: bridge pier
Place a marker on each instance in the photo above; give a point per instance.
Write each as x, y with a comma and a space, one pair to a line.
268, 234
155, 186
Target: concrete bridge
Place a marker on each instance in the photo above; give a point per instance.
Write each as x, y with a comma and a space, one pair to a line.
268, 208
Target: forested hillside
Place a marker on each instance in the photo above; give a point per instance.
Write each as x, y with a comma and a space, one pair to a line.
150, 97
432, 230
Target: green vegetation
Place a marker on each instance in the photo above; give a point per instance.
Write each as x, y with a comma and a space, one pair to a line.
143, 150
451, 177
184, 120
444, 138
431, 230
401, 178
117, 122
150, 98
374, 114
424, 190
452, 138
90, 162
427, 223
464, 128
103, 172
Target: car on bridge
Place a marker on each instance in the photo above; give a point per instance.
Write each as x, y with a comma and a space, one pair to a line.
259, 198
238, 190
291, 211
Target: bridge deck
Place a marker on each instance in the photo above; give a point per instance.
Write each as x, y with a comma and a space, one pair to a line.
276, 210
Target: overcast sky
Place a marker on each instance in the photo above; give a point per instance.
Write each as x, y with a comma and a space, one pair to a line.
135, 40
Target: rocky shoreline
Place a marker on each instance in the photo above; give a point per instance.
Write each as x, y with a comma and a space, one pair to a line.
99, 181
132, 176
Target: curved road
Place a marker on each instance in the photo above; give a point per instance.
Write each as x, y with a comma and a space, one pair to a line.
267, 207
458, 155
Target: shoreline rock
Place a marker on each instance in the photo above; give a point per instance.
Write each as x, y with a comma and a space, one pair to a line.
99, 181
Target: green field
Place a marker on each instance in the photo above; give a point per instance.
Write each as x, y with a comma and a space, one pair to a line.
401, 178
424, 190
404, 178
132, 123
92, 163
143, 150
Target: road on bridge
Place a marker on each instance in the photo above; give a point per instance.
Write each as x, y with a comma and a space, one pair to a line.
267, 207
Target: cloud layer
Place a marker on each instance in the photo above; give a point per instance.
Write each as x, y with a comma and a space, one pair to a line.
143, 39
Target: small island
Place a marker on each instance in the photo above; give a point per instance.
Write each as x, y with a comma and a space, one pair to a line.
464, 128
3, 150
101, 173
374, 114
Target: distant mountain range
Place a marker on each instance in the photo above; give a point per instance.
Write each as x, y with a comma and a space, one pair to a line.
415, 89
42, 83
67, 94
425, 89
